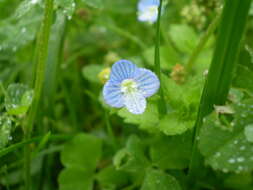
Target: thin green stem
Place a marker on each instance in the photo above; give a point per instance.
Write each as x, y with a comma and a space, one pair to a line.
42, 47
16, 146
161, 103
110, 130
202, 42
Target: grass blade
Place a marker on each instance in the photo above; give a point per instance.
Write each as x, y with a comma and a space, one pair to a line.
42, 47
233, 22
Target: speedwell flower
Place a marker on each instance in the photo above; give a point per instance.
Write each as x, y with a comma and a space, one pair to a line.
129, 86
148, 10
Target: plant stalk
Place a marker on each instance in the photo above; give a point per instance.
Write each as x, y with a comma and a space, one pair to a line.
161, 103
42, 50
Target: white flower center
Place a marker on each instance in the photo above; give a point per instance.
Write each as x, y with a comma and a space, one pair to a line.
150, 12
128, 86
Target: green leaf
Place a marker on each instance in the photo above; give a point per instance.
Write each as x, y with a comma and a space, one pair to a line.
110, 178
132, 158
5, 131
146, 121
90, 72
68, 6
21, 27
171, 152
82, 152
183, 37
173, 124
74, 178
18, 99
248, 132
80, 156
244, 71
156, 179
94, 3
223, 143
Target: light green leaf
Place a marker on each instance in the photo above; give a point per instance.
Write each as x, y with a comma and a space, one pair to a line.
24, 7
156, 179
82, 152
90, 72
5, 131
67, 6
171, 152
248, 132
183, 37
94, 3
223, 143
172, 124
18, 99
146, 121
74, 178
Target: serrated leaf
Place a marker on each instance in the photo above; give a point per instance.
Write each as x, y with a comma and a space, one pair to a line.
171, 152
5, 131
172, 124
146, 121
183, 37
132, 157
82, 152
18, 99
156, 179
226, 147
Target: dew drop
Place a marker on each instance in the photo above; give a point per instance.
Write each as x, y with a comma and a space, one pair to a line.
240, 159
242, 148
23, 30
231, 160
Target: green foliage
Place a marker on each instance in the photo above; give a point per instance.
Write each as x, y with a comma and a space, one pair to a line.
131, 158
223, 142
120, 150
5, 131
80, 157
156, 179
165, 155
184, 37
18, 99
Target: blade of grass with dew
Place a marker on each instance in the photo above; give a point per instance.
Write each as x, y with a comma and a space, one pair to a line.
231, 30
42, 47
161, 104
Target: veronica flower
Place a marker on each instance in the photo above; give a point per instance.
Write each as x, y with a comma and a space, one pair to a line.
129, 86
148, 10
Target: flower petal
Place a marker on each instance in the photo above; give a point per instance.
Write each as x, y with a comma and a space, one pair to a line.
148, 82
112, 94
135, 102
123, 69
144, 4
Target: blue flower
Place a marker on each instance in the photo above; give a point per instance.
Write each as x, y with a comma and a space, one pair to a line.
148, 10
129, 86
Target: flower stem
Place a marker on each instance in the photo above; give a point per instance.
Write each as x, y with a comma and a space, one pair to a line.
202, 42
161, 103
42, 49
